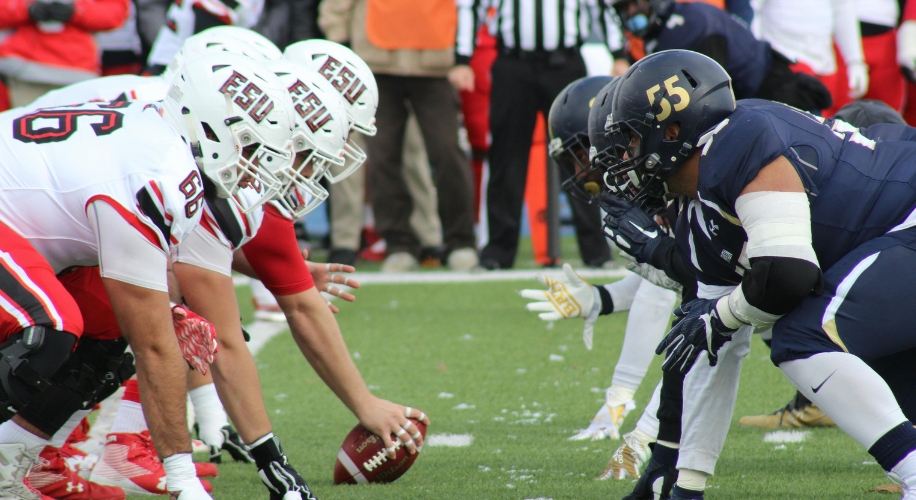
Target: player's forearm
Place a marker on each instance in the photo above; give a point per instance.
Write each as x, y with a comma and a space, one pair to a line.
144, 318
318, 336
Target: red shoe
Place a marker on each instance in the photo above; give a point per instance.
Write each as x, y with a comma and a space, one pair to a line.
57, 477
130, 462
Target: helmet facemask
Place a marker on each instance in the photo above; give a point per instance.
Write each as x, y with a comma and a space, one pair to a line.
302, 182
582, 181
631, 172
354, 157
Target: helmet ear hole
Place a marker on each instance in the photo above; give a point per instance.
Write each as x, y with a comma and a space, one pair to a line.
672, 131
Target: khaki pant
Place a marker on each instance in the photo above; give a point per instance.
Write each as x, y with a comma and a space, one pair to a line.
348, 196
23, 92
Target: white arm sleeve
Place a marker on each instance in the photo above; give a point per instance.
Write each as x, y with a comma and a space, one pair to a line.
846, 31
204, 250
124, 253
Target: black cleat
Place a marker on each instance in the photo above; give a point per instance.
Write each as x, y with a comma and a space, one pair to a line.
232, 443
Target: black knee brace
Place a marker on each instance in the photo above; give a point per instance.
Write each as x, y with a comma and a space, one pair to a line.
93, 372
28, 360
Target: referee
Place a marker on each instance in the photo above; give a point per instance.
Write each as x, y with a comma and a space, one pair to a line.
538, 43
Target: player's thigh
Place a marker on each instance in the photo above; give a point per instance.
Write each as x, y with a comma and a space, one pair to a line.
868, 306
30, 293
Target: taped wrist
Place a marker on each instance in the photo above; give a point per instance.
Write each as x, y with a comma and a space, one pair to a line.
607, 303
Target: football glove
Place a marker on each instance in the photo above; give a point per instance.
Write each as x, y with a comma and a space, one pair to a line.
196, 338
566, 297
696, 328
655, 483
634, 231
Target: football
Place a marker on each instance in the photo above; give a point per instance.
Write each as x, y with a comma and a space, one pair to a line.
362, 458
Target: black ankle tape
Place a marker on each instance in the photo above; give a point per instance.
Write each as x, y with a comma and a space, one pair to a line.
894, 445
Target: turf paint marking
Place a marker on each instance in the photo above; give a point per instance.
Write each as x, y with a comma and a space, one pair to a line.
449, 440
786, 436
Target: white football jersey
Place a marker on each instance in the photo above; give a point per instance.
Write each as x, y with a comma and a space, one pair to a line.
108, 88
54, 162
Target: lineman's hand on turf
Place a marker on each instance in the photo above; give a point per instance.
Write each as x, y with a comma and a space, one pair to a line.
325, 279
696, 329
392, 422
634, 231
196, 338
567, 296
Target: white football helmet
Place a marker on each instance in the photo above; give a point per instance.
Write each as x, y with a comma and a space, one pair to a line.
353, 79
221, 38
238, 120
319, 138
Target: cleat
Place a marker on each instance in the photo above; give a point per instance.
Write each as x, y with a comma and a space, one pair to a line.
606, 424
232, 443
15, 463
655, 483
628, 459
58, 476
130, 463
796, 414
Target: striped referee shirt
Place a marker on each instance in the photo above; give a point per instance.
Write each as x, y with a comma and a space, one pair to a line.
534, 25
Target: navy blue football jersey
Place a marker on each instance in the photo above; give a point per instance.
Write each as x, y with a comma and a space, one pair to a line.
858, 188
690, 24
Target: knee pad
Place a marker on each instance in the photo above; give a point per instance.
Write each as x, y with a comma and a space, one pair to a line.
96, 369
28, 360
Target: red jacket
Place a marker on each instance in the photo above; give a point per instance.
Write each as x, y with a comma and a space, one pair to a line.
62, 57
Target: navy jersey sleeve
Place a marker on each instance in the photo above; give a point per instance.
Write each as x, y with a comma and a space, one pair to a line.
890, 132
734, 152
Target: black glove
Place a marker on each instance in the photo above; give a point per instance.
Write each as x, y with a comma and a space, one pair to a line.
697, 328
634, 231
656, 481
41, 11
277, 474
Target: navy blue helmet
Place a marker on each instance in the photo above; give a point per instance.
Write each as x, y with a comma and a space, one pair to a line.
567, 127
663, 105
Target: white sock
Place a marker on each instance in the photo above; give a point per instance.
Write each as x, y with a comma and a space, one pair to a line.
106, 417
618, 395
262, 294
648, 421
60, 437
130, 418
211, 416
905, 471
849, 391
692, 479
11, 432
180, 474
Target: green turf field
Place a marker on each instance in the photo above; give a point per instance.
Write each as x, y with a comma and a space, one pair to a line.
417, 344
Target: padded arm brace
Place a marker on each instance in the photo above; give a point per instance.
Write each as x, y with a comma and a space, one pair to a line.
784, 268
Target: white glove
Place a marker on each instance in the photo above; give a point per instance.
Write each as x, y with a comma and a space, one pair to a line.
566, 297
906, 45
858, 79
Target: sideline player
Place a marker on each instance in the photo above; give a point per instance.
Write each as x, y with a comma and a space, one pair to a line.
123, 210
834, 343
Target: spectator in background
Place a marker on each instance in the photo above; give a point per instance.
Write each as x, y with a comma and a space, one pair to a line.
538, 56
805, 32
51, 43
187, 17
289, 21
122, 51
410, 50
877, 22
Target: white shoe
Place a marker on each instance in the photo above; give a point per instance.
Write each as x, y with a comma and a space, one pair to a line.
628, 460
194, 493
606, 424
463, 259
15, 463
400, 262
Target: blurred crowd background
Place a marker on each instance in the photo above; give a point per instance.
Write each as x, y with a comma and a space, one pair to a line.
458, 169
